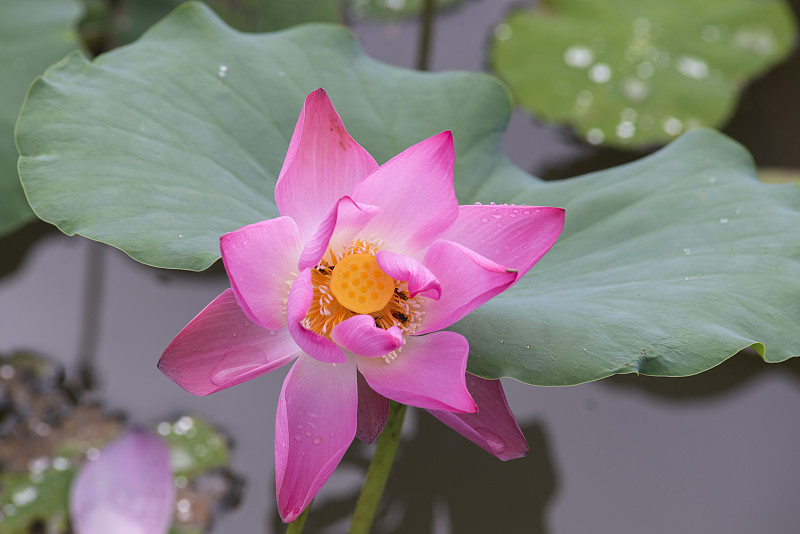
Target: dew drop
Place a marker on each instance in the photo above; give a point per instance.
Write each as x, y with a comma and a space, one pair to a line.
317, 440
625, 130
25, 496
645, 70
497, 215
307, 433
502, 32
672, 125
478, 204
635, 90
537, 210
595, 136
692, 67
578, 56
237, 362
298, 437
484, 220
600, 73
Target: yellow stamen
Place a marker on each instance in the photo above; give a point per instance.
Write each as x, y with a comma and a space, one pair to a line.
333, 304
359, 284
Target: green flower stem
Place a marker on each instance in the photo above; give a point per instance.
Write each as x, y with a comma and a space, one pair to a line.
296, 526
378, 471
426, 34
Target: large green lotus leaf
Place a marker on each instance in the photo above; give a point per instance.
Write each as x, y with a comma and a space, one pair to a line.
667, 266
633, 73
161, 147
33, 34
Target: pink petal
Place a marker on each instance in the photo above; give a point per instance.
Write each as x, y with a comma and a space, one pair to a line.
420, 280
128, 490
359, 335
494, 427
468, 280
221, 347
428, 373
373, 412
260, 260
322, 165
315, 425
297, 306
346, 217
416, 194
514, 236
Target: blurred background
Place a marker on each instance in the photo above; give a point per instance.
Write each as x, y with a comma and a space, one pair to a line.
716, 452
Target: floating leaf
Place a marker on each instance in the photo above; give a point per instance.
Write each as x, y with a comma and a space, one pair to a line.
32, 36
633, 73
667, 266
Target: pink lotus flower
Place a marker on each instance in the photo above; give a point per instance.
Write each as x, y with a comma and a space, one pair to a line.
128, 490
355, 281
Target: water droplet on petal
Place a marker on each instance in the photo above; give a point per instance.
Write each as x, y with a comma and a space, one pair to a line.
484, 220
237, 362
317, 440
298, 437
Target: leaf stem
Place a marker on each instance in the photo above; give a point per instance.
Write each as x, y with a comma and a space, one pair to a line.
378, 471
296, 526
426, 34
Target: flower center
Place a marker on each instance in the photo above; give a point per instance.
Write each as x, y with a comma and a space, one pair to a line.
359, 284
337, 296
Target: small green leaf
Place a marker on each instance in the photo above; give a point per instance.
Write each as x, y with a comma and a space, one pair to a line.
666, 267
32, 36
46, 496
159, 154
195, 446
632, 73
